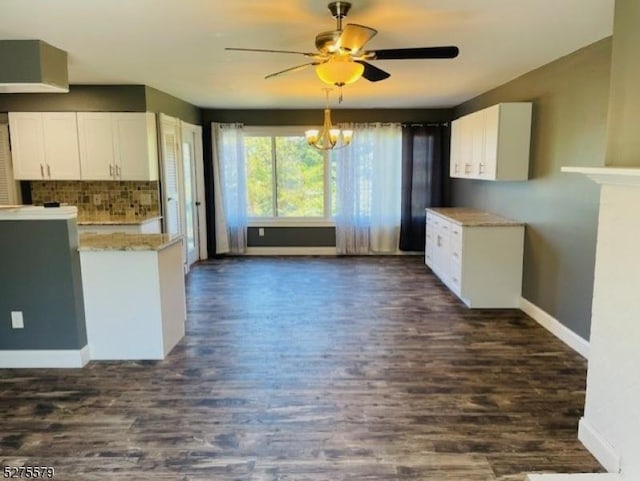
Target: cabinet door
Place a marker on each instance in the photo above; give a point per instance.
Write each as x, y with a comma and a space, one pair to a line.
61, 146
27, 145
443, 250
455, 164
136, 146
96, 146
466, 146
488, 168
430, 241
477, 123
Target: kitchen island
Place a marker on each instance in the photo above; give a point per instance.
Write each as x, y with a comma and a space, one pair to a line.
134, 294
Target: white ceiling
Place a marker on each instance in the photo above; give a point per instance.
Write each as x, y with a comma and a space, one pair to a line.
177, 46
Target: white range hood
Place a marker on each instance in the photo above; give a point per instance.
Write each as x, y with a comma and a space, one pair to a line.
32, 66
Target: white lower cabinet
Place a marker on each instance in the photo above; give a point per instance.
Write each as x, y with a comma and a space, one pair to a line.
478, 255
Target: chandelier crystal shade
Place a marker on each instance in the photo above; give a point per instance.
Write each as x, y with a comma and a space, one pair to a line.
328, 137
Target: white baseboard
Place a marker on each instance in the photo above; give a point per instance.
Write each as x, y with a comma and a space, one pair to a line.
40, 358
290, 251
555, 327
314, 251
575, 477
598, 446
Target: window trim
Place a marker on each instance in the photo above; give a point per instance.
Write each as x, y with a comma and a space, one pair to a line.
277, 221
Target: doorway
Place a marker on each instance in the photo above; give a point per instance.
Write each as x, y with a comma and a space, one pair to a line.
194, 215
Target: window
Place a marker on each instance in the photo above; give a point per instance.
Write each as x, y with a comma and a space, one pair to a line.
286, 179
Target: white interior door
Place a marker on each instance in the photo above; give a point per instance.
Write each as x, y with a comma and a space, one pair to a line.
171, 176
191, 198
9, 192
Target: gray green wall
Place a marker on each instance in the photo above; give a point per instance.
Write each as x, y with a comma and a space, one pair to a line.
292, 237
314, 116
41, 277
623, 146
81, 98
103, 98
570, 103
160, 102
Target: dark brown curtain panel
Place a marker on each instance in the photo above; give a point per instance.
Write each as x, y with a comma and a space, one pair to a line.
425, 156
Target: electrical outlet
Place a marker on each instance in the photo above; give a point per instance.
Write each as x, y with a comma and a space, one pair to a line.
97, 199
17, 321
261, 231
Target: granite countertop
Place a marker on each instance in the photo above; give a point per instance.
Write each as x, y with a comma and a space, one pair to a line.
472, 217
33, 212
108, 219
121, 241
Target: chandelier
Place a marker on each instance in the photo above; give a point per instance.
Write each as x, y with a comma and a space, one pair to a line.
328, 137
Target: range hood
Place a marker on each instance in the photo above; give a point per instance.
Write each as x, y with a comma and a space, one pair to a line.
28, 66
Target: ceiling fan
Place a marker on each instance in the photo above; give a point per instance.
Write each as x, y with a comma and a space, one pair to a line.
341, 58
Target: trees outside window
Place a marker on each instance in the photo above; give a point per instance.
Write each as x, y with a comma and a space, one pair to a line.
286, 178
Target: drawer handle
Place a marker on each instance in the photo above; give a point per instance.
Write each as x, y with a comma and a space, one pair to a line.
110, 170
48, 170
117, 171
42, 171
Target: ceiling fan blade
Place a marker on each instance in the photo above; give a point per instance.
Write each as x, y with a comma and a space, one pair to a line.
292, 69
306, 54
354, 37
415, 53
373, 73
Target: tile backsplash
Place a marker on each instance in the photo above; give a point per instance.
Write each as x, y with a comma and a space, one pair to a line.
129, 198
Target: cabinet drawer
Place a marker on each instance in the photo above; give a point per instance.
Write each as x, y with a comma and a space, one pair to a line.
432, 220
455, 278
456, 235
456, 242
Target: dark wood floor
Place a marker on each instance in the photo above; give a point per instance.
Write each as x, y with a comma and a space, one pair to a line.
312, 369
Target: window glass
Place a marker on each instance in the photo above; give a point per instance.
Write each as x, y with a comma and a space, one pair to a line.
259, 176
286, 178
300, 178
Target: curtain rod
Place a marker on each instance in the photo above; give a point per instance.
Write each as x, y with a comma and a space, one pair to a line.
420, 124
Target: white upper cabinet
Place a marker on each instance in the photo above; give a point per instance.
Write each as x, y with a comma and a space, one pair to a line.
44, 145
118, 146
97, 155
492, 144
136, 146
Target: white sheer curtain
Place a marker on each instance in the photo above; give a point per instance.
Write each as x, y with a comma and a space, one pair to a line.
368, 184
230, 192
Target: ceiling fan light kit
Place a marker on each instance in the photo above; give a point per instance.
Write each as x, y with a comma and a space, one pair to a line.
340, 70
328, 138
340, 58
